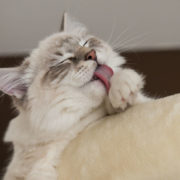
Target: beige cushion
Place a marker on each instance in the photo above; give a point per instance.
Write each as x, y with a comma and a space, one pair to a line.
143, 143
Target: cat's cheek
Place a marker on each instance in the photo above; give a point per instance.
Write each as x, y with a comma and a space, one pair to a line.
97, 90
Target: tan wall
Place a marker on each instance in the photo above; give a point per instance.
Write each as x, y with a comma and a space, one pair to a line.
148, 23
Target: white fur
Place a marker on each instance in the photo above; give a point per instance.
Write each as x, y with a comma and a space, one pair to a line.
58, 111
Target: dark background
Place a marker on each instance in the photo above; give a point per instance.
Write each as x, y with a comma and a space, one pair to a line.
161, 69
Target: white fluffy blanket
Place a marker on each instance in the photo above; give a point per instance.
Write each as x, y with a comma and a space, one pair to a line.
143, 143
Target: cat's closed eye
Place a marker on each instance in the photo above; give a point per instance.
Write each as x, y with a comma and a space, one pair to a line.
58, 53
93, 43
85, 42
72, 59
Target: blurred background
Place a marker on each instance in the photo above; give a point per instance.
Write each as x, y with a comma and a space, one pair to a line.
138, 24
147, 34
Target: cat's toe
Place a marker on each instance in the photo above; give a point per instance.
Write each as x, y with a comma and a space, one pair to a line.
125, 85
116, 99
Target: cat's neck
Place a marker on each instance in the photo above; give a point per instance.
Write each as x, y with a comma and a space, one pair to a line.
25, 131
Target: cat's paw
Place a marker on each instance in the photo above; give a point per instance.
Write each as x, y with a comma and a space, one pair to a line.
44, 173
43, 176
125, 85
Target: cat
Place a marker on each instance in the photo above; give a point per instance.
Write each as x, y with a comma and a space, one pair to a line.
58, 93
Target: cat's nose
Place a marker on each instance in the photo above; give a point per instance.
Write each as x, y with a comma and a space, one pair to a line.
91, 55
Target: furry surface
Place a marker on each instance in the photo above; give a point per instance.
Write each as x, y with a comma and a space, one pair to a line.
142, 143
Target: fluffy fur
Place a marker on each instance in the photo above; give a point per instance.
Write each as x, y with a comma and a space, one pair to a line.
57, 98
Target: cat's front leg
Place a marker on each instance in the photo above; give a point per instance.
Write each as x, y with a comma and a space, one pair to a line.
46, 167
44, 170
126, 86
15, 169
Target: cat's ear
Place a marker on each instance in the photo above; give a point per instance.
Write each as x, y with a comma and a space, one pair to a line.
12, 83
71, 25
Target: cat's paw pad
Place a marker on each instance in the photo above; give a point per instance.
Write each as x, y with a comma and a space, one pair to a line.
124, 88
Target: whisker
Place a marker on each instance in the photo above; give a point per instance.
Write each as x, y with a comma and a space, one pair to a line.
112, 32
120, 36
126, 42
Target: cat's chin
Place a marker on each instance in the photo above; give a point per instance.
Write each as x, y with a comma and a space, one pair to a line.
96, 86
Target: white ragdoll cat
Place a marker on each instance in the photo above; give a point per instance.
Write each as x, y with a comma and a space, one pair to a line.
58, 92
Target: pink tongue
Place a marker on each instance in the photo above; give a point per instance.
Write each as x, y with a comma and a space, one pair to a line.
104, 73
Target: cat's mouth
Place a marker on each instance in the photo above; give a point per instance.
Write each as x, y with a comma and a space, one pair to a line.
103, 73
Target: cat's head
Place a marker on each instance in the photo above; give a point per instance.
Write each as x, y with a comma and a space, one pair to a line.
65, 59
